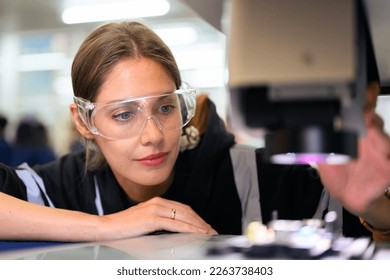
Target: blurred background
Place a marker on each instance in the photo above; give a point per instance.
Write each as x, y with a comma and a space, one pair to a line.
38, 39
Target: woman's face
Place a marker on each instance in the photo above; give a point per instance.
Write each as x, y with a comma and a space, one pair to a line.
146, 158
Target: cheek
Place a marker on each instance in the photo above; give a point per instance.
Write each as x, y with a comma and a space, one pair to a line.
172, 139
118, 152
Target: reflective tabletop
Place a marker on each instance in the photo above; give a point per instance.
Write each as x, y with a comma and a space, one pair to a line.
182, 246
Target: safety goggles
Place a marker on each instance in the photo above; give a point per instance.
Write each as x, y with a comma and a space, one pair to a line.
126, 118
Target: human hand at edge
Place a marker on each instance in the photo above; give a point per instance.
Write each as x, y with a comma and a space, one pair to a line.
362, 182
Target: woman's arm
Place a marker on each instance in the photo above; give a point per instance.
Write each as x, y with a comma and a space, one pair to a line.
21, 220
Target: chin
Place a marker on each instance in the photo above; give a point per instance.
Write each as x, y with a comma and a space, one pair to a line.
154, 177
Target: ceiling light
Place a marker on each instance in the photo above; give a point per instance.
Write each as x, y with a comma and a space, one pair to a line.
115, 11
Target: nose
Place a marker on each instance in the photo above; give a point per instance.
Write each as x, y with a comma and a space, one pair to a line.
147, 120
151, 130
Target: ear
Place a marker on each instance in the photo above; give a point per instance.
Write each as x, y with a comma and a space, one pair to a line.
80, 125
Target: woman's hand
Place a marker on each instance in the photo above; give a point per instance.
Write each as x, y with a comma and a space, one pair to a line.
360, 184
357, 184
153, 215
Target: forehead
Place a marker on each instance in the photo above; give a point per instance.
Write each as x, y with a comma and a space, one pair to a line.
132, 78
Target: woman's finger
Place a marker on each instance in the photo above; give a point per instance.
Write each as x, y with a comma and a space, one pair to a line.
175, 213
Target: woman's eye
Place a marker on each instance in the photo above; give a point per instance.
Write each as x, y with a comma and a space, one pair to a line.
125, 116
166, 108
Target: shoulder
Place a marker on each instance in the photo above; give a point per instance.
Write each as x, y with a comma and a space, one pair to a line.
10, 182
207, 131
66, 170
245, 175
243, 158
72, 162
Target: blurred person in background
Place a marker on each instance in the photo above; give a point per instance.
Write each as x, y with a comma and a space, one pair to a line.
5, 147
31, 143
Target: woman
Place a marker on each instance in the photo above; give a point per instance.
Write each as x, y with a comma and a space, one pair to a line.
130, 106
139, 174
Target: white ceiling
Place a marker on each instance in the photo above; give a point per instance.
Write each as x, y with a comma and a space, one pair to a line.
29, 15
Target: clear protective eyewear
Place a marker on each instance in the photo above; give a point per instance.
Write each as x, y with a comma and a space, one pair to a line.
126, 118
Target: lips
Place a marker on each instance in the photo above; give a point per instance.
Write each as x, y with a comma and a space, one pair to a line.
154, 159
